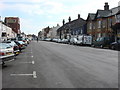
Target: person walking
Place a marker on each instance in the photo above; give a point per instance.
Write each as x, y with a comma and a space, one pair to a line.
37, 39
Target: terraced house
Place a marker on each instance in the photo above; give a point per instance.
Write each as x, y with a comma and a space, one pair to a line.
100, 24
72, 28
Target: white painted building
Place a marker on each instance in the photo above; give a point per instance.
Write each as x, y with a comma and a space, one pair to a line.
6, 32
53, 32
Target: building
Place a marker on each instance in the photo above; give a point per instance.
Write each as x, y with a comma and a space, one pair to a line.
100, 24
116, 26
44, 32
72, 28
6, 32
40, 35
53, 32
14, 23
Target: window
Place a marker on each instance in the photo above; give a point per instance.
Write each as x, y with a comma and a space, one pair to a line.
104, 23
99, 24
109, 22
90, 27
93, 25
118, 18
3, 34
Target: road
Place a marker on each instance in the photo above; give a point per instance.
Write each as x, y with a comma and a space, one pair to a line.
53, 65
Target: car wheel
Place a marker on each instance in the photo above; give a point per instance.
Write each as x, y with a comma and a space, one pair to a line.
101, 46
93, 45
112, 47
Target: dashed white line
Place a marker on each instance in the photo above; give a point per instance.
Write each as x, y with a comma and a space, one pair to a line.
32, 56
11, 60
33, 62
21, 74
34, 74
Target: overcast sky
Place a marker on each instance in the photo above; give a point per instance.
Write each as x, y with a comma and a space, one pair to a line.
37, 14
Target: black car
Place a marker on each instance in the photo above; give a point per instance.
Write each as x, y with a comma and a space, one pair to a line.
103, 42
115, 45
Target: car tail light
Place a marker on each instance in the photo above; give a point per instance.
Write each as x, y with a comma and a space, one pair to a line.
15, 47
2, 54
23, 40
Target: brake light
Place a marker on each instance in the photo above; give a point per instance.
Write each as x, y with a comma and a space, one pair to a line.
23, 40
2, 54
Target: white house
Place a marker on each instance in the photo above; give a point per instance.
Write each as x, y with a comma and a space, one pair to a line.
53, 32
6, 32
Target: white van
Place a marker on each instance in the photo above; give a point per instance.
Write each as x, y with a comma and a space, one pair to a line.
84, 40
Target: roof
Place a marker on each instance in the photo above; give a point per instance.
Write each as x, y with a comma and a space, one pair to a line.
107, 13
77, 23
91, 16
118, 12
102, 13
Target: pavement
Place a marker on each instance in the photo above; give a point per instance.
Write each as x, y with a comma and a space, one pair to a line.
54, 65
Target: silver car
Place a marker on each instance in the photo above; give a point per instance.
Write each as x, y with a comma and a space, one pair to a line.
6, 52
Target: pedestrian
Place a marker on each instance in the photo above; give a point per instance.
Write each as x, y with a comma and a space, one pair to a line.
37, 39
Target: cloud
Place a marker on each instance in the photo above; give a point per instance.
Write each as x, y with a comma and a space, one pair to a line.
51, 11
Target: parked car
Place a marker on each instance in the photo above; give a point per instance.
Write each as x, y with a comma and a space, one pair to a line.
64, 41
73, 41
21, 45
6, 52
59, 41
48, 39
103, 42
14, 45
115, 45
54, 39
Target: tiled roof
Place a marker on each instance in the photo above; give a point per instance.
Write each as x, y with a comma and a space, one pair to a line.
102, 13
91, 16
77, 23
114, 11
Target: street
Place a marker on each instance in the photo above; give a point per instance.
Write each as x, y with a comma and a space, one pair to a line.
54, 65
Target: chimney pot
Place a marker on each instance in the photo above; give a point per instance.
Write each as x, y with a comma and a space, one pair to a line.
63, 22
106, 7
69, 19
78, 16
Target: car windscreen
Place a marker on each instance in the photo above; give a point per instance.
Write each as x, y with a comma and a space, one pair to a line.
21, 42
4, 46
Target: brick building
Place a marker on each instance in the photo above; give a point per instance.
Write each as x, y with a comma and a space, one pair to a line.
100, 24
14, 23
72, 28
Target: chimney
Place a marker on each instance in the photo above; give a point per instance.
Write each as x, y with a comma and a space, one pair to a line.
63, 21
69, 19
106, 7
78, 16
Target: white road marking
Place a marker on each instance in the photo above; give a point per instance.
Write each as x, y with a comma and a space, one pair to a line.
34, 74
11, 60
32, 56
33, 62
21, 74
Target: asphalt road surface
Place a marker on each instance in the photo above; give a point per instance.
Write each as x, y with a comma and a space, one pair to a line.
53, 65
